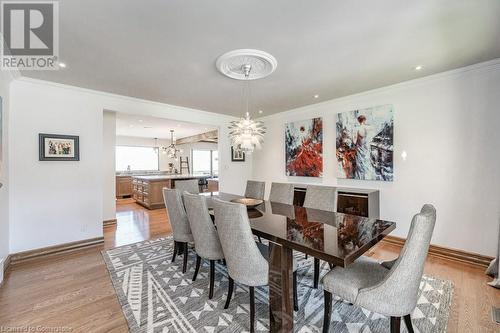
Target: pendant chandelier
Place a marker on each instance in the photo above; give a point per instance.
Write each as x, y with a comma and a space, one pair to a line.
171, 151
246, 134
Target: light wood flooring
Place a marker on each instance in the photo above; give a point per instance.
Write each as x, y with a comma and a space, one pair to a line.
74, 290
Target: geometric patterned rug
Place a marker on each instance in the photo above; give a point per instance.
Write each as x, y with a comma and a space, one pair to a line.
156, 297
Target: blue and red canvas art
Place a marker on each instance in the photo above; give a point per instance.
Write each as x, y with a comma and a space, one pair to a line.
365, 144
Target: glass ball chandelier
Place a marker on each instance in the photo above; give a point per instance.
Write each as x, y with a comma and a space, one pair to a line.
171, 151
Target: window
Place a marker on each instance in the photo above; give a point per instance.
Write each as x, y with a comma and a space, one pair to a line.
205, 162
215, 163
136, 158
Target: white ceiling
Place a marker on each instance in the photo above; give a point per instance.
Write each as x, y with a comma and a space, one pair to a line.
150, 127
166, 50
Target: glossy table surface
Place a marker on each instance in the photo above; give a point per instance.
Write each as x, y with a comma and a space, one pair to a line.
334, 237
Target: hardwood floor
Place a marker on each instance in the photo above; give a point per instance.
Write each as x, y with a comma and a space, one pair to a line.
134, 224
74, 290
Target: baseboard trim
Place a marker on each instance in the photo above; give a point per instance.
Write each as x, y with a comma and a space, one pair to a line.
107, 223
20, 257
447, 253
6, 265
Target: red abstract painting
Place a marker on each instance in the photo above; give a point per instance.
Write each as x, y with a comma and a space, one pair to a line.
304, 148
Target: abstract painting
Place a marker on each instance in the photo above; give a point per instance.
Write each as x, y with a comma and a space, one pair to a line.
365, 144
304, 148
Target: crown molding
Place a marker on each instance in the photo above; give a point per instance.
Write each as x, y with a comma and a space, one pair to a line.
177, 108
487, 66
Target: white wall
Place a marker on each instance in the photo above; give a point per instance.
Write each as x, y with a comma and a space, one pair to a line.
108, 166
54, 202
233, 176
5, 81
59, 202
449, 126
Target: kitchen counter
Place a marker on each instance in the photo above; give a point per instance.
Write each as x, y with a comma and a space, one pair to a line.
148, 189
172, 176
142, 173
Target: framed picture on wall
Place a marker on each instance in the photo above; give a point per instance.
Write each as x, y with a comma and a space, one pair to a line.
55, 147
237, 155
304, 148
365, 144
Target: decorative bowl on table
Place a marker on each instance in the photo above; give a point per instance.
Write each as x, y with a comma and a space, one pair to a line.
249, 202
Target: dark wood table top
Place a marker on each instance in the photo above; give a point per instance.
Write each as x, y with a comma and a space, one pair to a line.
334, 237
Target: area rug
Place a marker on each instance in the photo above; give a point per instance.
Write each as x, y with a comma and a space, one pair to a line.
156, 297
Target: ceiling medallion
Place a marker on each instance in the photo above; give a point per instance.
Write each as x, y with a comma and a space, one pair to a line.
245, 64
231, 64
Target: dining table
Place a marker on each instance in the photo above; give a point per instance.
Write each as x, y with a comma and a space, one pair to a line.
336, 238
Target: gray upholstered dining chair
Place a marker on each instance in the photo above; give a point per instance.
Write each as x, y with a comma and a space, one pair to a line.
180, 226
255, 189
282, 193
189, 185
323, 198
390, 288
320, 197
247, 261
206, 239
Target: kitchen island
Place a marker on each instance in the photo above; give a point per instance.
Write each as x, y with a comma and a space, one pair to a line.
147, 189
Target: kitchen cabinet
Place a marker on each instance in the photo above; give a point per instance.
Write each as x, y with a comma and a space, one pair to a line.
123, 186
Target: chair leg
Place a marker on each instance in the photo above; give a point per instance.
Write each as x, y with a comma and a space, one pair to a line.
316, 273
180, 248
212, 276
395, 324
327, 312
176, 245
306, 256
229, 292
185, 257
295, 296
408, 323
197, 268
260, 240
252, 309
